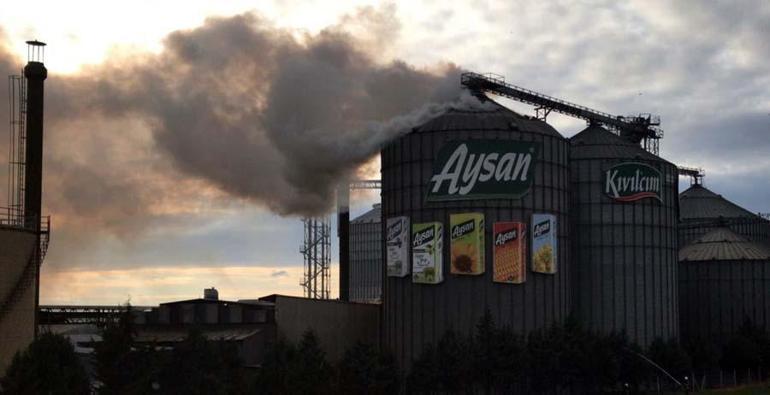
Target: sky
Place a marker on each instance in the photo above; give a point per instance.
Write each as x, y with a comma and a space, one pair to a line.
184, 140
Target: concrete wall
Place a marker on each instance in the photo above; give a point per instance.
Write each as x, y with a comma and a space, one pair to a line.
338, 325
17, 322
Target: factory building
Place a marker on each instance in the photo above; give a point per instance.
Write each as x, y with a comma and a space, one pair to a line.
724, 279
433, 201
625, 237
24, 231
18, 290
366, 257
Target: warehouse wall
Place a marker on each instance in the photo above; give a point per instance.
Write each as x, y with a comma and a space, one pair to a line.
338, 325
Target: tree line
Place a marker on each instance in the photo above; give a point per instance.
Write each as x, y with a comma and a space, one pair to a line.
494, 359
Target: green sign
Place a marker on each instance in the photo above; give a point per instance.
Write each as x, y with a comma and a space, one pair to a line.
627, 182
483, 169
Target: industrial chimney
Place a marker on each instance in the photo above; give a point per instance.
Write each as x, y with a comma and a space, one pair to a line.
35, 73
343, 232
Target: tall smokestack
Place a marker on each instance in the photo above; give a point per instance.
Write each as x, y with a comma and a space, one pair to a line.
35, 73
343, 232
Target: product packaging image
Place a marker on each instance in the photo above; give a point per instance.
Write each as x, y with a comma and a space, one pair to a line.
510, 252
427, 248
397, 243
466, 233
544, 243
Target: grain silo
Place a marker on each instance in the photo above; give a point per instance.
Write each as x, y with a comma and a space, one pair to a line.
701, 211
366, 257
724, 279
493, 166
625, 208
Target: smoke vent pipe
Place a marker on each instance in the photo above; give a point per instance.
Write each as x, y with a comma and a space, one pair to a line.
35, 73
343, 232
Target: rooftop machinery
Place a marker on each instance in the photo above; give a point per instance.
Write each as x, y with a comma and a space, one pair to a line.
641, 129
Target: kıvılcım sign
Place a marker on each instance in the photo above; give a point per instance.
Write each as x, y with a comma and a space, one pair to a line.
627, 182
483, 169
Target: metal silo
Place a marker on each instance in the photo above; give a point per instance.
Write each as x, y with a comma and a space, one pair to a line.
625, 207
724, 278
421, 184
366, 257
701, 211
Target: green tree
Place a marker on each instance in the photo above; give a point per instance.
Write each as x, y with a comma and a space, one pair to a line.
499, 355
366, 370
273, 377
48, 366
671, 356
310, 372
703, 351
199, 366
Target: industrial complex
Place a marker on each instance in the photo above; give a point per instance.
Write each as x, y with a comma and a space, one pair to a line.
482, 209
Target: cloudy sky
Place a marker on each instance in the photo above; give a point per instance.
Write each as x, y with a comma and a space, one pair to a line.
185, 139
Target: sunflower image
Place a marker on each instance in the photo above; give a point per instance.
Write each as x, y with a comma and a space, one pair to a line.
464, 257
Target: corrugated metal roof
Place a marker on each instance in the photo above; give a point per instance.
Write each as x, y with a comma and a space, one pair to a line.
722, 244
370, 217
596, 142
697, 202
178, 335
490, 116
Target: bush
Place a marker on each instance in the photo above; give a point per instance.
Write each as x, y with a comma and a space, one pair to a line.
671, 357
365, 370
300, 369
48, 366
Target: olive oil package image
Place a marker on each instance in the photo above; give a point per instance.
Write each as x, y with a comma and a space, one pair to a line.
466, 237
544, 243
427, 252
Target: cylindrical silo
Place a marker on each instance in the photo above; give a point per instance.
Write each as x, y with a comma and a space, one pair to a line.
428, 176
702, 211
724, 279
625, 205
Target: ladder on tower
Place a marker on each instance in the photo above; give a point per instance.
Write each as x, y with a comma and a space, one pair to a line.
642, 129
17, 99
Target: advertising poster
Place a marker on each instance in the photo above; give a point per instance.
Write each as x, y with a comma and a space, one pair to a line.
397, 244
510, 252
466, 234
427, 248
544, 243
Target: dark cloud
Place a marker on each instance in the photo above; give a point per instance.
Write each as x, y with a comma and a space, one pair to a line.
259, 112
280, 273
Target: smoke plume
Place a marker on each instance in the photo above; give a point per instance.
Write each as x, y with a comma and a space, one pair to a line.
271, 115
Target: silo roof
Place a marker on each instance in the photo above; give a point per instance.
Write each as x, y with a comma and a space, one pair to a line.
722, 244
370, 217
697, 202
489, 115
596, 142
